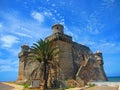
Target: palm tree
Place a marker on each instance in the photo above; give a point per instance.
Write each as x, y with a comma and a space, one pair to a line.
44, 53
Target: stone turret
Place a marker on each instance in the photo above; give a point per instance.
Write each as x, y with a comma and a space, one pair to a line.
98, 57
24, 50
58, 34
22, 60
58, 28
99, 66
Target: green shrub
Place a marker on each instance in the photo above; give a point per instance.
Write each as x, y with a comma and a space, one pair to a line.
90, 85
67, 87
25, 85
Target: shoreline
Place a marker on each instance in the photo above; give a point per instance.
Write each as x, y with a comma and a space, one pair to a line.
98, 86
107, 83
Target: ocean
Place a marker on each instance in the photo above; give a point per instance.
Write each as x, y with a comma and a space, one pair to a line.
114, 79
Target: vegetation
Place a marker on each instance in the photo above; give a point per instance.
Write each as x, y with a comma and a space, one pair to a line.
90, 85
68, 87
44, 53
25, 85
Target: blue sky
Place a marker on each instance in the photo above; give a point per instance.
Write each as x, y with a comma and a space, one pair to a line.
95, 23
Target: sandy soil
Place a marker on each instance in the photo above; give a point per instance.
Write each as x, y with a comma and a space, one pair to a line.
96, 88
103, 88
10, 86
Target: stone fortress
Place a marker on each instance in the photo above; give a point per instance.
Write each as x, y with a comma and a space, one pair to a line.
74, 60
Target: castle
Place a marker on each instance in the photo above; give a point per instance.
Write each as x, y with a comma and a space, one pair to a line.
75, 60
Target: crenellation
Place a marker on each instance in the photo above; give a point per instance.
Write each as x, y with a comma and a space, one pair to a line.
59, 36
98, 57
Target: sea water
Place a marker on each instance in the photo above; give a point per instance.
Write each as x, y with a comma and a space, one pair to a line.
114, 79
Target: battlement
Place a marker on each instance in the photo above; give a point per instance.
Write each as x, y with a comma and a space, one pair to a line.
24, 50
99, 58
59, 36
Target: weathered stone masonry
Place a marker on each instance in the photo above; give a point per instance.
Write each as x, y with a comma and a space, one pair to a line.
75, 60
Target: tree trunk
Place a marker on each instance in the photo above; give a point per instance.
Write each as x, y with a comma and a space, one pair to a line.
45, 75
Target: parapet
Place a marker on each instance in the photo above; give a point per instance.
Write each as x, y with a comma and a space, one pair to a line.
58, 34
24, 50
98, 52
25, 47
99, 58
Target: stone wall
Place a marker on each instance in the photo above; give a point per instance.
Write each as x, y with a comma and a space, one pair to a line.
88, 66
65, 59
74, 60
78, 52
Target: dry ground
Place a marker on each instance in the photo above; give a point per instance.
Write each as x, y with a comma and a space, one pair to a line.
103, 88
10, 86
97, 88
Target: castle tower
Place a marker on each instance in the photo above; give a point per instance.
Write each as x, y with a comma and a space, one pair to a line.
99, 64
25, 48
99, 58
24, 52
64, 43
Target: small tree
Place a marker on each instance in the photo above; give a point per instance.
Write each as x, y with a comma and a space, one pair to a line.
44, 53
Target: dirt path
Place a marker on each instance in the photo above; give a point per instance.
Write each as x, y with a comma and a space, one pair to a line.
10, 86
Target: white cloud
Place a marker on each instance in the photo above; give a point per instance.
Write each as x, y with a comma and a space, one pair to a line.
22, 34
70, 33
6, 68
8, 65
106, 47
53, 5
94, 26
47, 13
108, 3
109, 47
0, 54
8, 40
24, 29
0, 25
85, 41
38, 16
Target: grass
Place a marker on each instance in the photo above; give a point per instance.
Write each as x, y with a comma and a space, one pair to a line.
68, 87
25, 85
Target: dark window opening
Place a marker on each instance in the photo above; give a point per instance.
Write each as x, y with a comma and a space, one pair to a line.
57, 27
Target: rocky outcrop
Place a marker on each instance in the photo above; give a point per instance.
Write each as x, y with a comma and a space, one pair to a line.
75, 62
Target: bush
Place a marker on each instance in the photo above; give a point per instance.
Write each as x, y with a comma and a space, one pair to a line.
25, 85
67, 87
90, 85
